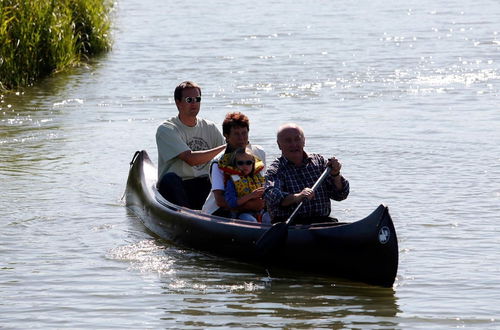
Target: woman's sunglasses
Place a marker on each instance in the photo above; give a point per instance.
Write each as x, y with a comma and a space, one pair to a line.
244, 162
190, 99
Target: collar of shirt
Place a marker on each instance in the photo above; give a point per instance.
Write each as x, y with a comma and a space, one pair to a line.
306, 160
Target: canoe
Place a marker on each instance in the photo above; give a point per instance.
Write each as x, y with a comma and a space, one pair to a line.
364, 250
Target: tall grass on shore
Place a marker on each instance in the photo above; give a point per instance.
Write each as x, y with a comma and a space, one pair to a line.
39, 37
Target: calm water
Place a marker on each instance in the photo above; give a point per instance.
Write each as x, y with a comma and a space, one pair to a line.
406, 95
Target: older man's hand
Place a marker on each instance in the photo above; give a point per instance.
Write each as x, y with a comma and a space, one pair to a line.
335, 164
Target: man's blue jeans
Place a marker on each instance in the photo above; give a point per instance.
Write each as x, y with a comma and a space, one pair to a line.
190, 193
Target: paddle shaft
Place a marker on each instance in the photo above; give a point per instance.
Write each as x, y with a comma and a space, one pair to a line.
322, 178
276, 236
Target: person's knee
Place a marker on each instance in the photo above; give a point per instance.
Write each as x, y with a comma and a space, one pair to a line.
266, 218
169, 187
247, 217
168, 180
197, 191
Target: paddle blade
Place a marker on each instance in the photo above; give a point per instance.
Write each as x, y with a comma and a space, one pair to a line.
274, 238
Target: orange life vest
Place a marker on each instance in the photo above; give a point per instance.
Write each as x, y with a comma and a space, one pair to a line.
243, 184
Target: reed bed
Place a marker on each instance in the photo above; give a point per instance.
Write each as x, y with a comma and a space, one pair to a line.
39, 37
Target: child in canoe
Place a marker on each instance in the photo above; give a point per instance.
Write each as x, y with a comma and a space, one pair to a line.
244, 182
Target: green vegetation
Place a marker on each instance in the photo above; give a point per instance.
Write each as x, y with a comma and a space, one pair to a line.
39, 37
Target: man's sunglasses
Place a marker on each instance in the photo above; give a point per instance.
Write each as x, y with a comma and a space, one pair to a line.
244, 162
190, 99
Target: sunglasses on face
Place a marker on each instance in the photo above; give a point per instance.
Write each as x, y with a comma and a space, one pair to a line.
244, 162
190, 99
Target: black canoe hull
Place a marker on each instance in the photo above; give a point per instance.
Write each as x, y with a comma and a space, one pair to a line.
365, 250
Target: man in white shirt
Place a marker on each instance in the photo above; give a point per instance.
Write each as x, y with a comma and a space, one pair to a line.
186, 145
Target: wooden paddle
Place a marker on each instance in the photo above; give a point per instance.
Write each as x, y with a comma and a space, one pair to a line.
278, 233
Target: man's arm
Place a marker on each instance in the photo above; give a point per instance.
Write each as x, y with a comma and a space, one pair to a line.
339, 188
200, 157
306, 193
273, 194
339, 185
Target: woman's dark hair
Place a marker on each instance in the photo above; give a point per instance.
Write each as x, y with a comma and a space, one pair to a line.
234, 119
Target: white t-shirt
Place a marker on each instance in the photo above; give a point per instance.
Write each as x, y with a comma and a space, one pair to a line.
173, 138
217, 177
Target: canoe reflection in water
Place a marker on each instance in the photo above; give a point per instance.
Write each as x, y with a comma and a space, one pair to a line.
290, 300
365, 250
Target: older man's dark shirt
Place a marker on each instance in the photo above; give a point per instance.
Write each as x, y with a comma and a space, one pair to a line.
284, 178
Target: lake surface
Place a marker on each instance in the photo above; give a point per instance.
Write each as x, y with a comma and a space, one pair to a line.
406, 94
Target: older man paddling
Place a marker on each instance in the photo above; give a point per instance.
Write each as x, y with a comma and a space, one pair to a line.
186, 145
290, 178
